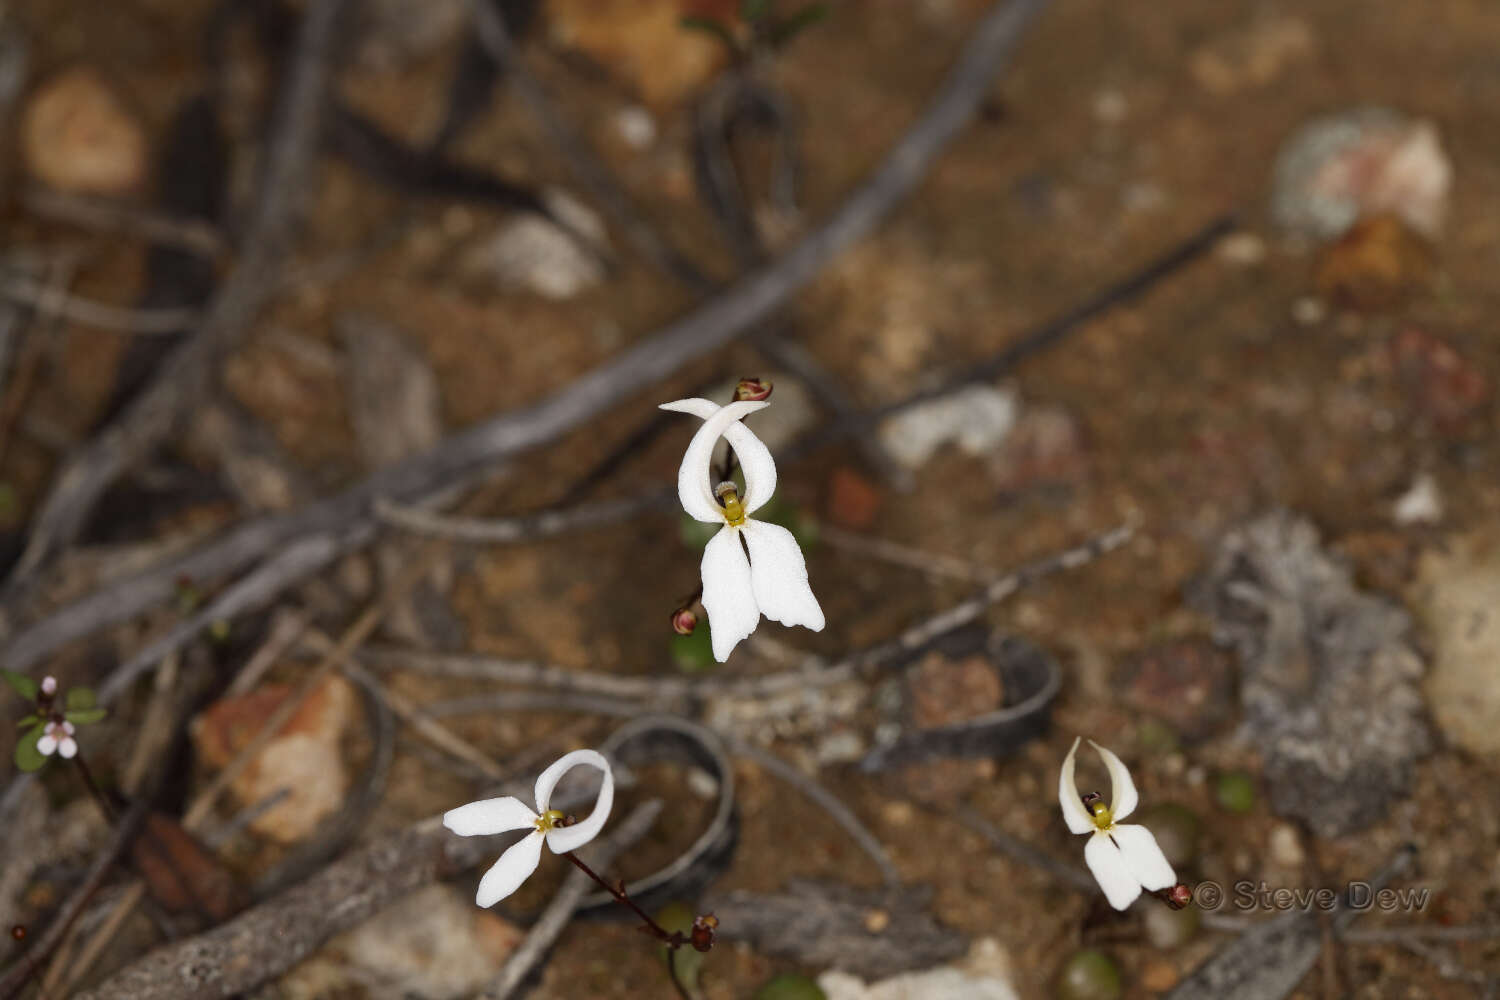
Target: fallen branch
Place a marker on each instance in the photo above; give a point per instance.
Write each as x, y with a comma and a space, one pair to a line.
266, 940
188, 372
705, 329
53, 304
124, 832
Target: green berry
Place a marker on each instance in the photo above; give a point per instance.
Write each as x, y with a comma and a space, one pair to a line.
1235, 791
1089, 974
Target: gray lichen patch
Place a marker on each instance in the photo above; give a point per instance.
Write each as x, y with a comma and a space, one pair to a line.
1329, 674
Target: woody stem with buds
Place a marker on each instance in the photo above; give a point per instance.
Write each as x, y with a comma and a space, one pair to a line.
672, 939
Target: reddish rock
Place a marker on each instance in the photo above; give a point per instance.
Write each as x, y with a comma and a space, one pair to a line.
303, 758
1444, 386
853, 501
643, 42
1375, 265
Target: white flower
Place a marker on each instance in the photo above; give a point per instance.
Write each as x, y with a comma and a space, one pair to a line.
49, 685
1123, 857
772, 581
510, 813
57, 737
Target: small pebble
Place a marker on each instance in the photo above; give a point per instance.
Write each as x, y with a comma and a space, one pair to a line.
1309, 311
1110, 107
636, 127
877, 921
1158, 976
898, 813
1285, 847
1242, 249
1420, 504
702, 784
77, 136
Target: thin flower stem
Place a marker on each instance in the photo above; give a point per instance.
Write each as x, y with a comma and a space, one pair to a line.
672, 972
672, 939
621, 897
99, 797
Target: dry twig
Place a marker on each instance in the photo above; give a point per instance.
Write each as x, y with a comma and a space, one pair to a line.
188, 372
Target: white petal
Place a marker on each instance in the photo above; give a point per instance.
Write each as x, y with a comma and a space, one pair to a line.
1112, 871
1123, 797
1148, 865
728, 596
68, 727
68, 748
754, 457
778, 576
489, 816
571, 838
548, 779
1074, 814
694, 488
47, 745
506, 875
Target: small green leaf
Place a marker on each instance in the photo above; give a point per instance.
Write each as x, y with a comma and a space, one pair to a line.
28, 757
85, 716
709, 26
79, 698
694, 654
753, 10
21, 684
789, 986
30, 722
792, 27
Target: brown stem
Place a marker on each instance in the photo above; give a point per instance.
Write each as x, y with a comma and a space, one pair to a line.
94, 789
672, 939
623, 898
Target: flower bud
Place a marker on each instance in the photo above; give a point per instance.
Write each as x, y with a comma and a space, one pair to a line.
49, 685
702, 935
752, 390
684, 621
1179, 896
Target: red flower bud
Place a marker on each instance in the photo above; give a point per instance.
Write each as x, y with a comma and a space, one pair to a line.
752, 390
703, 931
1179, 896
684, 621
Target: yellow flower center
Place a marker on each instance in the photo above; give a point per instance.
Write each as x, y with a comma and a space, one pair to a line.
734, 511
549, 820
1102, 818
